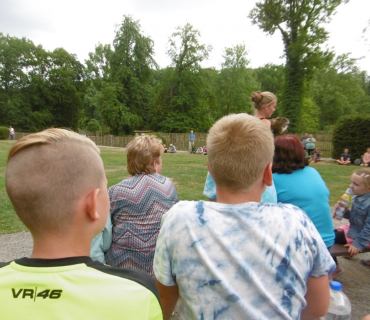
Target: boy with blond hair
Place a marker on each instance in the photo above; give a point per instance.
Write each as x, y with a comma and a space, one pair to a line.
56, 182
239, 258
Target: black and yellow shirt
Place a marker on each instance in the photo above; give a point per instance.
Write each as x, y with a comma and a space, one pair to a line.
75, 288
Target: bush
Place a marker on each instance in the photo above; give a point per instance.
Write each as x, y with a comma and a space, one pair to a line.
4, 133
93, 125
351, 132
159, 136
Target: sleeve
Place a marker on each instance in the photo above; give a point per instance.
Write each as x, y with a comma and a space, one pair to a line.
363, 239
162, 258
107, 234
210, 187
323, 263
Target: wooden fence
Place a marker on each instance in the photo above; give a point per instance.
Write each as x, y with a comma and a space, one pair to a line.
181, 140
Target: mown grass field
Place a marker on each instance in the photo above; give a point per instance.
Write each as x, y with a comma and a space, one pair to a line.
188, 172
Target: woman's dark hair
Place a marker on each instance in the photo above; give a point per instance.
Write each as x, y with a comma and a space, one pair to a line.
289, 154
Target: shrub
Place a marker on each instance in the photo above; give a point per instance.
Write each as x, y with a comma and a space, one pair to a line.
351, 132
93, 125
160, 137
4, 133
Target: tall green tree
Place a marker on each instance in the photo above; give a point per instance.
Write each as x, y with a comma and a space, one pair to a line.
131, 67
99, 63
339, 89
183, 99
235, 82
300, 24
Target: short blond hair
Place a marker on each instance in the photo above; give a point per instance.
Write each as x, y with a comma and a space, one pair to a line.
47, 173
365, 175
239, 148
262, 99
142, 151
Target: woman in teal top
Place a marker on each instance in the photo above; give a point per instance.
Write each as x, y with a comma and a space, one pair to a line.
302, 186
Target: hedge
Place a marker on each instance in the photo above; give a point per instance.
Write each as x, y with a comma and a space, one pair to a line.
351, 132
4, 133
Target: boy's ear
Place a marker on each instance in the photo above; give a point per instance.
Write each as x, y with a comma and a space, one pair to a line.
91, 204
267, 175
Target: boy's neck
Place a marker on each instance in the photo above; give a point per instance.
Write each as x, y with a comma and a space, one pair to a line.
57, 247
225, 196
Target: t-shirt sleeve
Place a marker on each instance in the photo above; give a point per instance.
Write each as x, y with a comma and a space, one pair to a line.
210, 187
323, 263
162, 258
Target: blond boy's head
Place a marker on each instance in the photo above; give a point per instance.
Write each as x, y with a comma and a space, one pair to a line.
239, 148
142, 151
47, 174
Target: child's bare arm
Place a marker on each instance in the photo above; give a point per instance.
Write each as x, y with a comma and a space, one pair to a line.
168, 296
317, 298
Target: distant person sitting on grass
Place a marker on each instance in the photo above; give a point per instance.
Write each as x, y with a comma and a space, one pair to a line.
172, 149
241, 258
199, 150
315, 156
56, 182
205, 150
345, 158
366, 158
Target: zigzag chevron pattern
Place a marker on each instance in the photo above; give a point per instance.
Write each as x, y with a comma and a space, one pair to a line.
137, 206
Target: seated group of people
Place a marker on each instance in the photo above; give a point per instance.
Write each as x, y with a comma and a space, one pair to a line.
232, 258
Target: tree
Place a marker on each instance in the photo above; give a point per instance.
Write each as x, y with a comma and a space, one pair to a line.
93, 126
340, 89
182, 99
131, 67
235, 82
65, 88
299, 22
270, 77
99, 63
349, 132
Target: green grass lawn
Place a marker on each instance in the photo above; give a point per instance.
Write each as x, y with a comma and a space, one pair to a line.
188, 172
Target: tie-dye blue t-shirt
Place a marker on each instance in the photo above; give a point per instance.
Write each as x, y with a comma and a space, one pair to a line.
243, 261
210, 191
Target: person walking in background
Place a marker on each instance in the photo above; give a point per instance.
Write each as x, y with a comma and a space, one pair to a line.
11, 133
345, 158
310, 144
191, 141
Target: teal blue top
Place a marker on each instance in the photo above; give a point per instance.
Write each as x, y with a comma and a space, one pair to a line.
306, 189
210, 191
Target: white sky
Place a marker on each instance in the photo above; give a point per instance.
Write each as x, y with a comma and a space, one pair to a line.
79, 25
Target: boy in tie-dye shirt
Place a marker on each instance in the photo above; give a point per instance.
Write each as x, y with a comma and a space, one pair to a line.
239, 258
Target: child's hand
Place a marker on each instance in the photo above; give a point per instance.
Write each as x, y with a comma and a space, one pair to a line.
352, 250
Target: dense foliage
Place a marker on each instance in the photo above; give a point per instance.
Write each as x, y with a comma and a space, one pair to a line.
351, 133
120, 88
4, 133
300, 25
